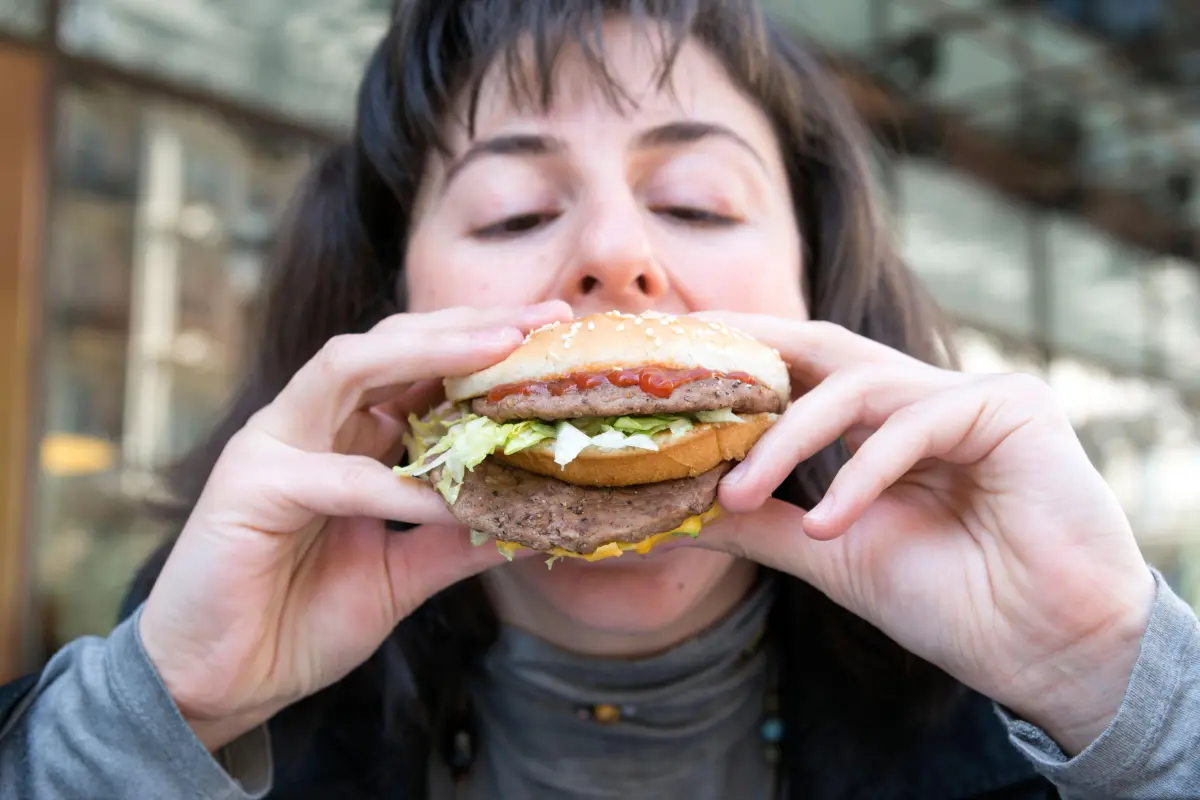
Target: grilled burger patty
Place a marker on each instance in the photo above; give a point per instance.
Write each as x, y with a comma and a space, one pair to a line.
514, 505
607, 400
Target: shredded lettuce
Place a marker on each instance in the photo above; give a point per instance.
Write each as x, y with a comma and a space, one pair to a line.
527, 434
720, 415
571, 441
479, 537
458, 441
466, 442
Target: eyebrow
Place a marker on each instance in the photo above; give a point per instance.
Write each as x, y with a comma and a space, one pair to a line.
673, 133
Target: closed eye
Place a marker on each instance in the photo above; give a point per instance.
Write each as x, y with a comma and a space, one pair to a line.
698, 217
516, 225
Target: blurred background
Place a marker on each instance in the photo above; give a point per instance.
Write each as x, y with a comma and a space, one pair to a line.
1040, 159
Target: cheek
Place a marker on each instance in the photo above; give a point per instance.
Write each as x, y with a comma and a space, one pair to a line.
442, 272
751, 272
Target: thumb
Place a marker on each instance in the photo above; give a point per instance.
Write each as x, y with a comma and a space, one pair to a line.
429, 558
773, 535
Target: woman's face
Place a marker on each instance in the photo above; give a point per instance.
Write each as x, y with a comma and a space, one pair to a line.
679, 203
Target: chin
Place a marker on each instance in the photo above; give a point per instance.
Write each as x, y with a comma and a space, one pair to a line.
630, 596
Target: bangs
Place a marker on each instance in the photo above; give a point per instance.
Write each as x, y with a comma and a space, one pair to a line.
470, 42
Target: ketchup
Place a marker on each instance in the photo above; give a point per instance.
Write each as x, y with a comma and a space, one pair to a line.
653, 380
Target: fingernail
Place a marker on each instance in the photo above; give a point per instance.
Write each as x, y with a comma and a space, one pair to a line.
734, 476
822, 510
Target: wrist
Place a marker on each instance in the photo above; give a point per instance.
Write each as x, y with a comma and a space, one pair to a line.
1076, 695
192, 689
217, 733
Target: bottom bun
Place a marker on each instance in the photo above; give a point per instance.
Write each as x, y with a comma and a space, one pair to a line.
689, 527
686, 456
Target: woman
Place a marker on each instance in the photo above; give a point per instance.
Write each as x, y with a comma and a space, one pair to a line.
959, 614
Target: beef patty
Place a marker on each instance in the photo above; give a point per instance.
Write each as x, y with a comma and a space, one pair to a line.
608, 400
517, 506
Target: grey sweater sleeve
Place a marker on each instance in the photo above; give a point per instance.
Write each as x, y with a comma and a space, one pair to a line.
99, 723
1151, 749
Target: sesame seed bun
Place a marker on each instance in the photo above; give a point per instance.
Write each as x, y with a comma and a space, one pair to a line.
613, 340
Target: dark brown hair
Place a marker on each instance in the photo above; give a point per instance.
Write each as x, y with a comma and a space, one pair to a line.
338, 267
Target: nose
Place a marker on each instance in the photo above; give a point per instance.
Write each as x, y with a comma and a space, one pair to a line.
614, 265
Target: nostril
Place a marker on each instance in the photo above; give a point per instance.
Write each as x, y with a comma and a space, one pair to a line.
643, 284
589, 283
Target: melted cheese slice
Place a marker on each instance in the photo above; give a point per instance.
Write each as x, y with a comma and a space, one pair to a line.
689, 527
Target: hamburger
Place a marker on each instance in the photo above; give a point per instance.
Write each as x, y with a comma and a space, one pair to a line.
599, 436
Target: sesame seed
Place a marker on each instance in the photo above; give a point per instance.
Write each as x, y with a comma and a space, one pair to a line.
566, 336
591, 326
554, 355
678, 329
649, 331
638, 320
567, 345
620, 326
714, 326
657, 342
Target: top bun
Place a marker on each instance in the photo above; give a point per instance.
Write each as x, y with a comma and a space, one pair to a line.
613, 340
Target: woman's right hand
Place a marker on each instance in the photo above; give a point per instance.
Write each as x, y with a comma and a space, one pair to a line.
284, 578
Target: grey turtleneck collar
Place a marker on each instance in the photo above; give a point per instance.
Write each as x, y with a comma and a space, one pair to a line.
688, 720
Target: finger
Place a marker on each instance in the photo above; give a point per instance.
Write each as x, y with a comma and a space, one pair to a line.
313, 406
463, 318
371, 432
772, 535
430, 558
419, 398
335, 485
814, 349
855, 436
849, 400
957, 425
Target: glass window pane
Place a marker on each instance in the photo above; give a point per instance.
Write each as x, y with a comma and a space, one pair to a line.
1145, 440
984, 353
1097, 308
23, 17
969, 245
160, 218
301, 57
1175, 288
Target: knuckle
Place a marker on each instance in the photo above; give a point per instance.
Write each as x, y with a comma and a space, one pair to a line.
337, 358
392, 323
908, 415
355, 474
852, 380
824, 327
1027, 387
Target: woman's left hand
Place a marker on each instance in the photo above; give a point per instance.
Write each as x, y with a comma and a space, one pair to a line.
969, 525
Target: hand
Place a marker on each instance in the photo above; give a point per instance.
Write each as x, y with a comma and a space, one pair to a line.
969, 525
284, 577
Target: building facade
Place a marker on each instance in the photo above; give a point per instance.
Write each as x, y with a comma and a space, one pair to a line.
1039, 159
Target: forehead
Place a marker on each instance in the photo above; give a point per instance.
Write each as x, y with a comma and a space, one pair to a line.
620, 82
